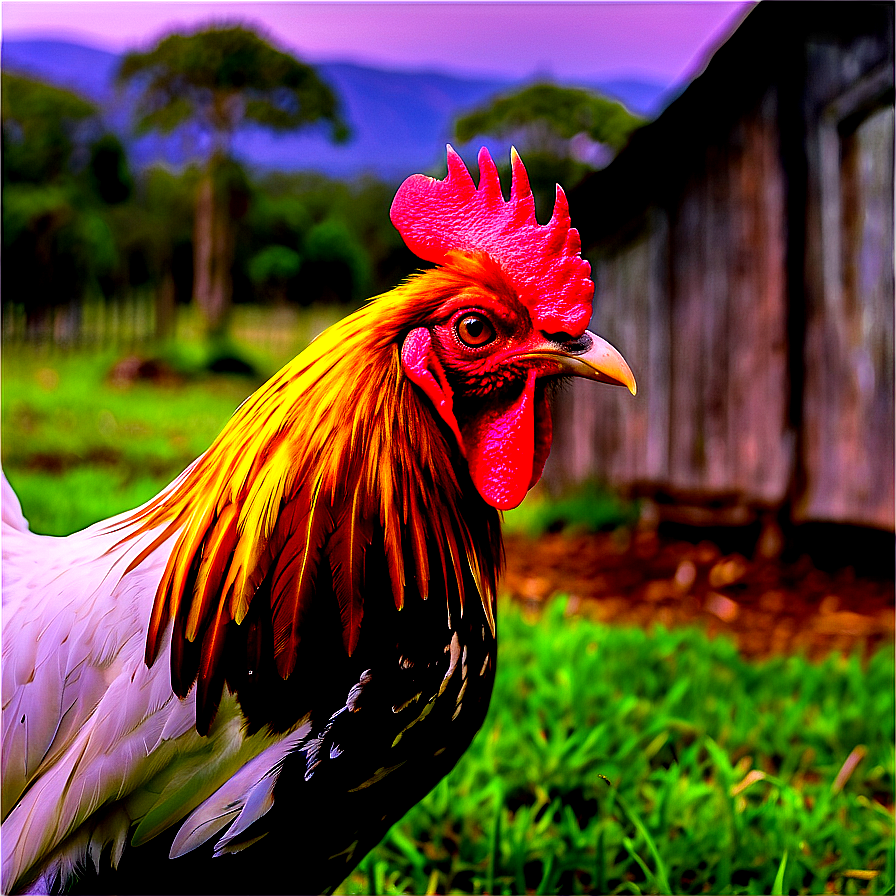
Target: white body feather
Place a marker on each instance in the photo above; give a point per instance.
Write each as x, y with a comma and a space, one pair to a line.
96, 747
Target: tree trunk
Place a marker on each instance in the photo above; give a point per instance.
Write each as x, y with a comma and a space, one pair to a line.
213, 247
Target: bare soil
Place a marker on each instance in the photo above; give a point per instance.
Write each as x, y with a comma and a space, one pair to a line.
767, 605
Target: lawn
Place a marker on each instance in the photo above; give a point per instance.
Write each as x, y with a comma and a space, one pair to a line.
78, 448
613, 760
617, 761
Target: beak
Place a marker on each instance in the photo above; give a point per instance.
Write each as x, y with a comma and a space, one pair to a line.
588, 356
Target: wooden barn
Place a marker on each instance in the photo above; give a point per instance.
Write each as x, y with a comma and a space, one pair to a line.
742, 247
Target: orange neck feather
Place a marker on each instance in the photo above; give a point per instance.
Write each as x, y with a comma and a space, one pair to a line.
339, 430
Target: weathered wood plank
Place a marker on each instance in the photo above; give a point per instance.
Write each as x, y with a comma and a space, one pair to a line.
849, 412
743, 252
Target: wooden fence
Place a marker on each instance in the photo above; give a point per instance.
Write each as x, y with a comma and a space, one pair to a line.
127, 321
130, 325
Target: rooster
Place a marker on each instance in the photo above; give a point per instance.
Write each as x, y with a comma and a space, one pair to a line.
241, 685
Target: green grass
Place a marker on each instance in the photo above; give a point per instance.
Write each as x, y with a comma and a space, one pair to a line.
589, 508
78, 449
621, 761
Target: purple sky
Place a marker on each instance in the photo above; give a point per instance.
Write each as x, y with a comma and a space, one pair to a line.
666, 41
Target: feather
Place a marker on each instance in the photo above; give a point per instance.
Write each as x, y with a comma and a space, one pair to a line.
191, 784
226, 803
216, 555
194, 772
292, 585
259, 801
347, 549
10, 508
201, 826
456, 568
419, 531
210, 677
286, 460
173, 588
184, 657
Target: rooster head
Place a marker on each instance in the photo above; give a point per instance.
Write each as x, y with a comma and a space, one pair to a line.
488, 353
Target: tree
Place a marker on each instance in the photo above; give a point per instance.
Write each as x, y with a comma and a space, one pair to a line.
220, 79
547, 112
61, 170
43, 128
561, 132
155, 242
309, 238
272, 269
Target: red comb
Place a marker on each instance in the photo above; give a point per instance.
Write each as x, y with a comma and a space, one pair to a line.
436, 217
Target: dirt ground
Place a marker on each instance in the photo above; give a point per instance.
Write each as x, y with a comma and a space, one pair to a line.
645, 578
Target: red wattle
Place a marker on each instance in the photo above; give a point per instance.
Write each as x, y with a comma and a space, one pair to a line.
500, 447
544, 431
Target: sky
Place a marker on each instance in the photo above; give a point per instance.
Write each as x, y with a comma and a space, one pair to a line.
662, 41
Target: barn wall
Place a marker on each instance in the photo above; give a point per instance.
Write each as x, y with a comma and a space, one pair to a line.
696, 303
848, 414
742, 248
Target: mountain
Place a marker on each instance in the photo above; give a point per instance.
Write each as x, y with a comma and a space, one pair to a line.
400, 121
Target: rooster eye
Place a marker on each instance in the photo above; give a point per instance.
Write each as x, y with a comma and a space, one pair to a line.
474, 330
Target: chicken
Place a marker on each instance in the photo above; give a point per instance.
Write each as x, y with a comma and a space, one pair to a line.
241, 685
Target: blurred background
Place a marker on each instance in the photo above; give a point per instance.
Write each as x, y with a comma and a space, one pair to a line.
191, 192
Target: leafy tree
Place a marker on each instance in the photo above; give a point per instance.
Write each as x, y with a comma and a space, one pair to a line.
561, 132
155, 240
110, 173
54, 249
340, 245
546, 113
272, 269
278, 215
335, 267
60, 171
43, 129
308, 199
220, 79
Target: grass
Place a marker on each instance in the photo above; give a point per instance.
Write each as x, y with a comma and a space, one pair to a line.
77, 448
612, 761
621, 761
590, 508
